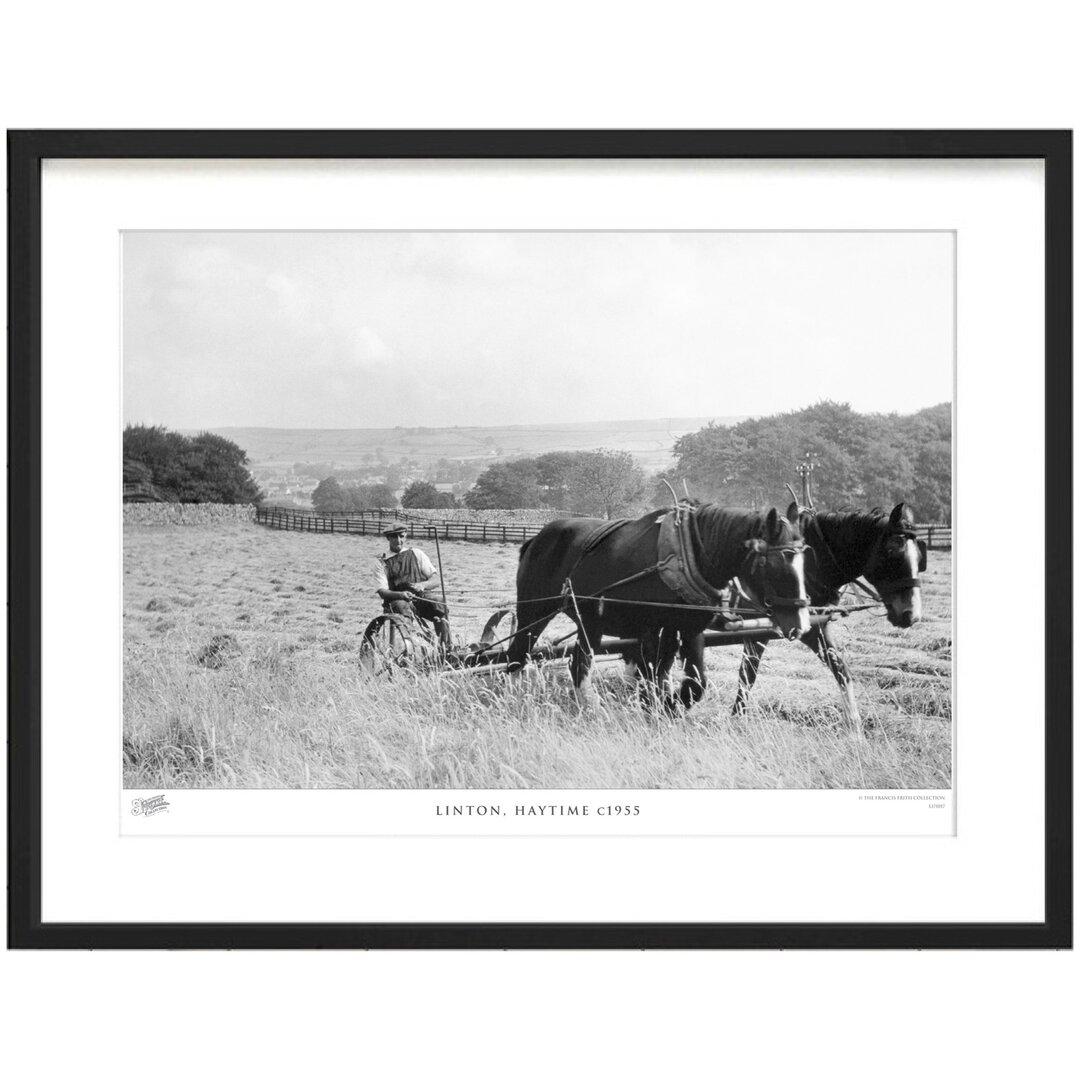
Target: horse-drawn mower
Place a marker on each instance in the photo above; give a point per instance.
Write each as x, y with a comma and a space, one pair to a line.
395, 642
679, 581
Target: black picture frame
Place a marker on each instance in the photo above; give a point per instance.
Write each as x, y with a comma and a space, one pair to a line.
26, 152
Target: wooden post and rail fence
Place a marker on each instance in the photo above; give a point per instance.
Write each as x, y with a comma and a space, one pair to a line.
373, 522
369, 523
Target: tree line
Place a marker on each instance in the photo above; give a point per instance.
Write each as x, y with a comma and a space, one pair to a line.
860, 459
605, 483
334, 494
204, 468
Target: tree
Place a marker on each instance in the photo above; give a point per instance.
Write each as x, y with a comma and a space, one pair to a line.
370, 497
931, 495
554, 471
317, 470
329, 496
220, 471
161, 451
423, 495
606, 482
206, 468
510, 485
420, 495
861, 460
135, 472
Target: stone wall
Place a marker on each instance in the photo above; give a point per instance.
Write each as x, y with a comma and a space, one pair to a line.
508, 517
185, 513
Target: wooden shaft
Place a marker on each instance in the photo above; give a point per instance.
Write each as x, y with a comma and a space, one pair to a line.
747, 630
438, 555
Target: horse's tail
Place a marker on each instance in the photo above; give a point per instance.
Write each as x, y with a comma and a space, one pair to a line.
524, 547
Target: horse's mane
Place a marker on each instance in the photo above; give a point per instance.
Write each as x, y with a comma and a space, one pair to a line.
723, 532
850, 536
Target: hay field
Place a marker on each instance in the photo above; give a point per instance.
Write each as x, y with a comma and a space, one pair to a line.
240, 670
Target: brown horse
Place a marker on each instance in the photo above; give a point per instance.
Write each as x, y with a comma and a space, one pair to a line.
657, 579
880, 547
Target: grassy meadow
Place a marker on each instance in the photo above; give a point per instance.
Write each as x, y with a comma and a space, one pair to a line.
240, 670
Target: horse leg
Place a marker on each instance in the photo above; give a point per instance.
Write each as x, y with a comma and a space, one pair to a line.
694, 682
647, 659
753, 651
532, 617
820, 640
667, 646
581, 662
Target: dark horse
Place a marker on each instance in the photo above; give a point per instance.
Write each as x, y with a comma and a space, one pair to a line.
616, 578
879, 547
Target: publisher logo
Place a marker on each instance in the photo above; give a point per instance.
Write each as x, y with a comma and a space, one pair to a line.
148, 807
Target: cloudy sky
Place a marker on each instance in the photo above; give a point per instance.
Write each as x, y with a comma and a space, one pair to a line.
368, 329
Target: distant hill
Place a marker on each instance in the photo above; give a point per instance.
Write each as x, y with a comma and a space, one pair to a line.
650, 441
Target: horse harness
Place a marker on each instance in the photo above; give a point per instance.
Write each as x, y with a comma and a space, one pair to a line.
677, 563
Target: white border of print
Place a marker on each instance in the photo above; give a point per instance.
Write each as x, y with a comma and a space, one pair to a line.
990, 871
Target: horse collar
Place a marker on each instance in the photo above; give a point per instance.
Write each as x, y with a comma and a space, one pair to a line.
677, 562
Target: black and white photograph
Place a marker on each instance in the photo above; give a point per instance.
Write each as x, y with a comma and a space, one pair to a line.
552, 509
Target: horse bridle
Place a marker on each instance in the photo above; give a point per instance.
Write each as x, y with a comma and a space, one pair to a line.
757, 557
891, 588
884, 589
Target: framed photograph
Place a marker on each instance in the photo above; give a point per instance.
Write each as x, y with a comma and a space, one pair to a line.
578, 539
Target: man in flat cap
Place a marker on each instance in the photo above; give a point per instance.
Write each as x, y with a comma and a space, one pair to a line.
402, 578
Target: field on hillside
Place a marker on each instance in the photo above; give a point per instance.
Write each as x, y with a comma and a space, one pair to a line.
240, 670
650, 441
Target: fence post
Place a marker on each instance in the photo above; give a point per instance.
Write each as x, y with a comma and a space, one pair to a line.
930, 538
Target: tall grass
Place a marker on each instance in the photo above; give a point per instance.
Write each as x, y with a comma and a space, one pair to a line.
241, 671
